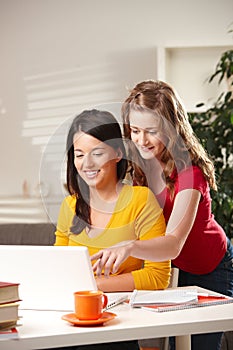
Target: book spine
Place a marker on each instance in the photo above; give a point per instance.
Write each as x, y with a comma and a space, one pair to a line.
10, 302
9, 334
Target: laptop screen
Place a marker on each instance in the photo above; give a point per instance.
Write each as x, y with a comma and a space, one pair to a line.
48, 275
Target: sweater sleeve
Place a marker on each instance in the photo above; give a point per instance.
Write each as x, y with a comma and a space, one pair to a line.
151, 224
153, 275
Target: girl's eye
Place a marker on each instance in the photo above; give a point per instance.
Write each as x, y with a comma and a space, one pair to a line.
78, 156
153, 132
97, 154
134, 131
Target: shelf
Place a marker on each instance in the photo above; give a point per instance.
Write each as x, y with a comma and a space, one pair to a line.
22, 210
187, 69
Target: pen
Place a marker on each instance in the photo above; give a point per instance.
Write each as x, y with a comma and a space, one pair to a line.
205, 295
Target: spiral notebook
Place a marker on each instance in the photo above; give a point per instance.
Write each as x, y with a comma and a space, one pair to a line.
140, 298
176, 299
202, 301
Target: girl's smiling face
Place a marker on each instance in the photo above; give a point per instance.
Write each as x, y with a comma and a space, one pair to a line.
95, 161
146, 135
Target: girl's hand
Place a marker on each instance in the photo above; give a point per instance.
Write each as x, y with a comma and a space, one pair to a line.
111, 258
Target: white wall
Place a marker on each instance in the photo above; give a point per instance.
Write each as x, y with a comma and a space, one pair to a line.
59, 56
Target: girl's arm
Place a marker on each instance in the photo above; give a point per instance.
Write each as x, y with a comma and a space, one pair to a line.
160, 248
149, 223
151, 276
120, 283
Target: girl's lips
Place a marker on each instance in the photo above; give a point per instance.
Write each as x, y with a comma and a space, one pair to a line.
91, 173
146, 149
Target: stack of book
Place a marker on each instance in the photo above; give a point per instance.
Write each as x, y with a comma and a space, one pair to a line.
9, 303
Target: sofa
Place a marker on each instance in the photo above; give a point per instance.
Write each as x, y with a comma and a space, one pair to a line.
43, 234
27, 234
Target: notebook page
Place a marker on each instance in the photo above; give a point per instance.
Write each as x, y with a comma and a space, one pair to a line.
168, 296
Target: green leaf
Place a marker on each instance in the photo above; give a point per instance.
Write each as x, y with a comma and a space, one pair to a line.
231, 118
214, 129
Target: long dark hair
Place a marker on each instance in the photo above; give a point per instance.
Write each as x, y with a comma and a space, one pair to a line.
103, 126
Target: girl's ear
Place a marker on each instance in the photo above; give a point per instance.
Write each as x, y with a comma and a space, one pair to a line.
119, 155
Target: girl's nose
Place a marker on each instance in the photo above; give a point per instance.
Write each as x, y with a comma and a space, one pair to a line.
88, 161
142, 139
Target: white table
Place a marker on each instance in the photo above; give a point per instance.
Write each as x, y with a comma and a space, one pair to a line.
46, 329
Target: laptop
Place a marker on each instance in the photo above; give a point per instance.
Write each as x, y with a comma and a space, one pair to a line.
48, 275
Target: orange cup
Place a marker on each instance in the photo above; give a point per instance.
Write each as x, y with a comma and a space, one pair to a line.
89, 305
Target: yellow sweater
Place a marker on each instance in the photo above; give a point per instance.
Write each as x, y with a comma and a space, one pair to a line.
137, 215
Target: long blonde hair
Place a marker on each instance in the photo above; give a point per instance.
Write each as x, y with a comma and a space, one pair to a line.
182, 146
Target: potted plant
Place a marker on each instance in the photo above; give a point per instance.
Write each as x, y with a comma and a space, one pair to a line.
214, 128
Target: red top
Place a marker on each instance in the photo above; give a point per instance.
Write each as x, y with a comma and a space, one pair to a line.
206, 244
